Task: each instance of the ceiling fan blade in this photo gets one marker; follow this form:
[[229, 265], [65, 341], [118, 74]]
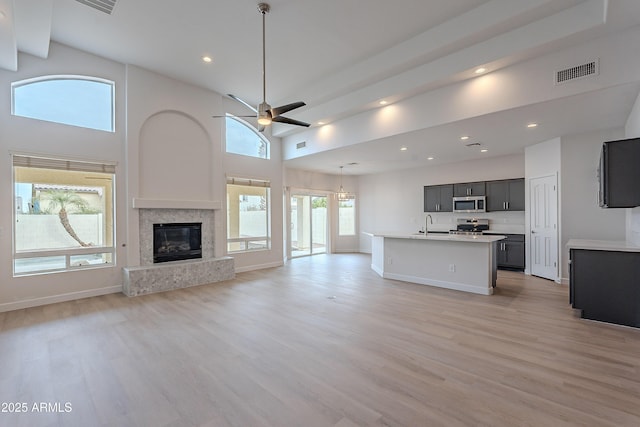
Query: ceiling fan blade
[[282, 119], [245, 103], [275, 112]]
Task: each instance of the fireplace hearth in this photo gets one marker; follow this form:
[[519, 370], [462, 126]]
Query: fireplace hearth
[[177, 241]]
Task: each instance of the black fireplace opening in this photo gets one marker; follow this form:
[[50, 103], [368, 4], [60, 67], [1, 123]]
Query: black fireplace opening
[[177, 241]]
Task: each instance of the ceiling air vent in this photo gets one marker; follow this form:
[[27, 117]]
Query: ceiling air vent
[[473, 144], [105, 6], [578, 72], [300, 145]]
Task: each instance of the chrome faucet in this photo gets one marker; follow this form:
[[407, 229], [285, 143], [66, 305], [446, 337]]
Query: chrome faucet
[[427, 220]]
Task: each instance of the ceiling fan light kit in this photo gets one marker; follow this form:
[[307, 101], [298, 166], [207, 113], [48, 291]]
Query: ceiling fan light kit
[[264, 116], [264, 113]]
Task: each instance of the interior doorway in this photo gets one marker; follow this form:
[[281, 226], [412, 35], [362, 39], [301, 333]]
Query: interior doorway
[[309, 225], [544, 227]]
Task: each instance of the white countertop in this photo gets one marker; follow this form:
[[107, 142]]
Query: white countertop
[[602, 245], [438, 236]]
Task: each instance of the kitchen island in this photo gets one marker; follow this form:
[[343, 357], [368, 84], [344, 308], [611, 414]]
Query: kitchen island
[[460, 262]]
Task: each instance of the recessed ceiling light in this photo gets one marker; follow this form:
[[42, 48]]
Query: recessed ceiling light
[[430, 158], [383, 102], [480, 70], [322, 123], [484, 150], [207, 59], [464, 138], [403, 148], [532, 125]]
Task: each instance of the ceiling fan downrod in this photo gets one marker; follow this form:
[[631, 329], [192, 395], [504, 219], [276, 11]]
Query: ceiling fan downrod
[[264, 109]]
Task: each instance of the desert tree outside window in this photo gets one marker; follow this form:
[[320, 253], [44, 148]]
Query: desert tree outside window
[[63, 214]]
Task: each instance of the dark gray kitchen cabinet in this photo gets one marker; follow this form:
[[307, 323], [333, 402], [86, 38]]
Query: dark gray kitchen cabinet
[[505, 195], [510, 252], [605, 285], [463, 189], [438, 198], [619, 174]]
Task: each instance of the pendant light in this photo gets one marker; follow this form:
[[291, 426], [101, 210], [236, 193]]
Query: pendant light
[[342, 195]]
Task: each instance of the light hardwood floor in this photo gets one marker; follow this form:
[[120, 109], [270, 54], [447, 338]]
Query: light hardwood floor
[[322, 341]]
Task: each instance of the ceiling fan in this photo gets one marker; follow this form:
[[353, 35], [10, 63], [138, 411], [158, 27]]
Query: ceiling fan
[[265, 113]]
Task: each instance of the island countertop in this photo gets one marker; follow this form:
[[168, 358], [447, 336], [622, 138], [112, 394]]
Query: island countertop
[[439, 236], [455, 261]]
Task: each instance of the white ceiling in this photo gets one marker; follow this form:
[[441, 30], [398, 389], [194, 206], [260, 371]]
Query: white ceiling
[[342, 56]]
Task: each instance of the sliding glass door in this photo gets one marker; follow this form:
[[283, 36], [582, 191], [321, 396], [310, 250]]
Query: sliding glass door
[[308, 225]]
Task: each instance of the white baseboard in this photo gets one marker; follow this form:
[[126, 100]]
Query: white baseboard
[[52, 299], [259, 266], [440, 283]]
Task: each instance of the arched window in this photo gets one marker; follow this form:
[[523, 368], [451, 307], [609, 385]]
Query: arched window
[[243, 139], [72, 100]]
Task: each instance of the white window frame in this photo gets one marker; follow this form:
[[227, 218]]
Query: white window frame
[[56, 163], [252, 129], [42, 79], [246, 241], [352, 198]]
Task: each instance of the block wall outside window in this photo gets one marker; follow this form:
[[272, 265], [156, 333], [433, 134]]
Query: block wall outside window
[[347, 217], [248, 215], [63, 214]]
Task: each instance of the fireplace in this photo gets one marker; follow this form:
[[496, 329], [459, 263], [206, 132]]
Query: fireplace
[[177, 241]]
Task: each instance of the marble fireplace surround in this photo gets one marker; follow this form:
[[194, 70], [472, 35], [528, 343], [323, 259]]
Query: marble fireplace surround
[[150, 277]]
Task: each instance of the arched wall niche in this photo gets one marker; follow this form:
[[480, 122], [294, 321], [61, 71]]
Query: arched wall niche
[[175, 158]]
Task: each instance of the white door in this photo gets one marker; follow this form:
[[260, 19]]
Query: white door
[[544, 227]]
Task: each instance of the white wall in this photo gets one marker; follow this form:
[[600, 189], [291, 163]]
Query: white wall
[[504, 89], [176, 151], [632, 130], [394, 201], [19, 134], [166, 145], [171, 141], [581, 216], [542, 160]]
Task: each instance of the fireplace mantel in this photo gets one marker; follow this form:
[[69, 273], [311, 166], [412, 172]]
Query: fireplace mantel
[[142, 203]]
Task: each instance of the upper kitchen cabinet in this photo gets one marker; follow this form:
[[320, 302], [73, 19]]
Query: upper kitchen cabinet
[[438, 198], [505, 195], [469, 189], [619, 174]]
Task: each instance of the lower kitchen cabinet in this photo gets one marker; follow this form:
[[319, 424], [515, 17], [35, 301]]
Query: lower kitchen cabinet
[[605, 285], [510, 252]]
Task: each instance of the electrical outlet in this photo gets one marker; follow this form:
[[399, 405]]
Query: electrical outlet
[[389, 260], [452, 268]]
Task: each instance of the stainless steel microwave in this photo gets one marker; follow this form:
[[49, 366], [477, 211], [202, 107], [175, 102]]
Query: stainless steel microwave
[[470, 204]]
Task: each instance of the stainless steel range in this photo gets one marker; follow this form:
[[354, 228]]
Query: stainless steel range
[[470, 226]]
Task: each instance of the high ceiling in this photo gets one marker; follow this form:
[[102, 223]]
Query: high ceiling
[[343, 56]]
